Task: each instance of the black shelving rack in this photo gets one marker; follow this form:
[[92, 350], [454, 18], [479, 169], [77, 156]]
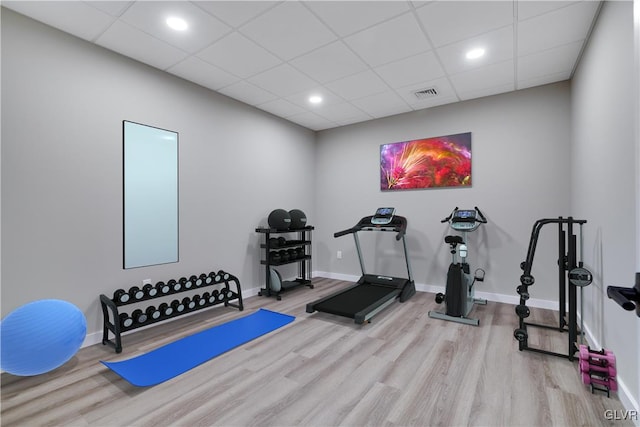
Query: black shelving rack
[[276, 241]]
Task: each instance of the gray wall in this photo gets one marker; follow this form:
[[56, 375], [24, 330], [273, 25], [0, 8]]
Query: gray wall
[[605, 162], [521, 173], [63, 102]]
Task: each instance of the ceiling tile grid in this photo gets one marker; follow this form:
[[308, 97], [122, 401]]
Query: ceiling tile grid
[[367, 59]]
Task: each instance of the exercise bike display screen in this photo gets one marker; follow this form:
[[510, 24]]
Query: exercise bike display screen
[[465, 214], [383, 216]]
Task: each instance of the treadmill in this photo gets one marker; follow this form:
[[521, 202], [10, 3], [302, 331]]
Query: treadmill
[[372, 293]]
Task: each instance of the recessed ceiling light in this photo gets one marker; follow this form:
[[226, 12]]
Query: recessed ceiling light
[[475, 53], [315, 99], [176, 23]]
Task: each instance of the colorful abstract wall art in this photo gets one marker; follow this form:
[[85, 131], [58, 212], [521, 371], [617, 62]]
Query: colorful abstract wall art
[[443, 161]]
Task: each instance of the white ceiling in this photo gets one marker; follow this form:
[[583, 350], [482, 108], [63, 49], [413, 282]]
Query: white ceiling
[[365, 58]]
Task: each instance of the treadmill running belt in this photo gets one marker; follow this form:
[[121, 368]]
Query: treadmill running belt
[[356, 299]]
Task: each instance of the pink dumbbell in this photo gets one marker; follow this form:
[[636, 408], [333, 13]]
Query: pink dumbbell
[[605, 368], [610, 383], [591, 355]]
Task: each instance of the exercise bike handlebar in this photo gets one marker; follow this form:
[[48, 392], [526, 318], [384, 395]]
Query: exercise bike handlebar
[[450, 215], [481, 218], [627, 298]]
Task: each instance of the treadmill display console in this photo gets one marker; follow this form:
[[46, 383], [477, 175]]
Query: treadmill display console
[[383, 216]]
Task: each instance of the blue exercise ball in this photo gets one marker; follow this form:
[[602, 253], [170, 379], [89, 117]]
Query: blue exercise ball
[[40, 336]]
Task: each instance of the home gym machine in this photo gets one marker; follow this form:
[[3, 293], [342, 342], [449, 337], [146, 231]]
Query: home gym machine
[[459, 293], [627, 298], [569, 267], [372, 293]]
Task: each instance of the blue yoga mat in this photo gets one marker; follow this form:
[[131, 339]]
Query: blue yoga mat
[[180, 356]]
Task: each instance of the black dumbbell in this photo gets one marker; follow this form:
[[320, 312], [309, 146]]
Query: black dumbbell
[[188, 303], [274, 258], [136, 293], [153, 313], [273, 242], [150, 290], [165, 309], [139, 316], [213, 297], [174, 285], [184, 282], [163, 288], [125, 320], [177, 306], [282, 241], [121, 296], [284, 255]]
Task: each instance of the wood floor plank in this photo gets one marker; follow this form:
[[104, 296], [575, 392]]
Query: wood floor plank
[[402, 369]]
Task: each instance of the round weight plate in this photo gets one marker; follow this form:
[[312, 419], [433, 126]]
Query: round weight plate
[[580, 277], [523, 311], [520, 334], [527, 279]]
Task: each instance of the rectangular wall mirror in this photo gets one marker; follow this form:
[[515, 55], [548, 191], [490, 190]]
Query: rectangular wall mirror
[[150, 157]]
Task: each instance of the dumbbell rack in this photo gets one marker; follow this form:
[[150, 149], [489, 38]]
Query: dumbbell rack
[[302, 246], [124, 322]]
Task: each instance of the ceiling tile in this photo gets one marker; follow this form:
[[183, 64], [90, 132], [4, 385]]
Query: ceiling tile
[[64, 16], [281, 107], [451, 21], [348, 17], [311, 121], [543, 80], [329, 63], [203, 73], [238, 55], [235, 13], [498, 47], [552, 61], [288, 30], [136, 44], [342, 111], [475, 81], [383, 104], [529, 9], [446, 94], [151, 16], [247, 93], [418, 68], [302, 98], [283, 80], [553, 29], [392, 40], [113, 8], [358, 85]]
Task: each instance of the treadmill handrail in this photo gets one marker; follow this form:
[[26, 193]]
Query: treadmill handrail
[[398, 224]]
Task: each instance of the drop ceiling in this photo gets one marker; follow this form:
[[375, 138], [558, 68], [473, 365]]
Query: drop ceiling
[[366, 59]]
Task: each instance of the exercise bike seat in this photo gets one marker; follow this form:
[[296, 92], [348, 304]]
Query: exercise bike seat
[[453, 240]]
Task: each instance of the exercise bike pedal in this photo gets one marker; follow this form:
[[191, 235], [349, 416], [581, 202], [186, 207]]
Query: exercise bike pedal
[[478, 275]]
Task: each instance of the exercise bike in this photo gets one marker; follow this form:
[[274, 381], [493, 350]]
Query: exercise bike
[[459, 293]]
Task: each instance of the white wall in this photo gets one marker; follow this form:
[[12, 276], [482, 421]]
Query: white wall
[[521, 173], [604, 146], [63, 102]]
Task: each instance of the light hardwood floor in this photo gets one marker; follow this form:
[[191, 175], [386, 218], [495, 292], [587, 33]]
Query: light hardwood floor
[[403, 369]]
